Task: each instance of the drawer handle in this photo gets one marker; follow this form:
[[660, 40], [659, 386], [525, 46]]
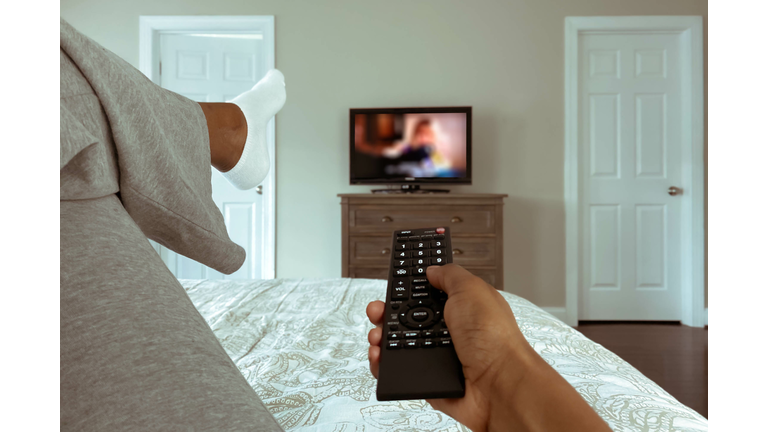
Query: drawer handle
[[385, 251], [457, 252], [386, 219], [456, 219]]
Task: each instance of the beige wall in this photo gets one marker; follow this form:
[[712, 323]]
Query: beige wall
[[505, 58]]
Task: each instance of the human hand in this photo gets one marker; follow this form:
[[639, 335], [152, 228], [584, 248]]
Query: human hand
[[485, 335]]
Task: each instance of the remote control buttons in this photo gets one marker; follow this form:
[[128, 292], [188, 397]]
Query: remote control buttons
[[420, 295], [402, 272], [393, 344], [428, 343], [420, 314], [420, 253], [420, 280], [420, 288], [428, 333], [437, 261], [411, 344], [438, 252], [402, 263], [393, 335], [399, 292], [444, 342], [420, 261], [444, 333], [439, 237], [438, 243], [402, 254], [440, 230], [411, 334], [402, 246], [422, 245]]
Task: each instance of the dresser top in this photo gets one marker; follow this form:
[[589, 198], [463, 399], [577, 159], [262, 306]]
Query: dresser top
[[422, 195]]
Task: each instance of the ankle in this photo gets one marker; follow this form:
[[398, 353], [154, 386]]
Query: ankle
[[227, 131]]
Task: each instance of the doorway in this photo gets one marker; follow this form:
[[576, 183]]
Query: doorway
[[634, 182], [214, 59]]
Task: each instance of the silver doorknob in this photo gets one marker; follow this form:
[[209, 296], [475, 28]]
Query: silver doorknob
[[259, 190], [674, 190]]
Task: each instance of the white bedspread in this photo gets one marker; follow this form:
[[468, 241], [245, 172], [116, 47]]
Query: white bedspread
[[302, 345]]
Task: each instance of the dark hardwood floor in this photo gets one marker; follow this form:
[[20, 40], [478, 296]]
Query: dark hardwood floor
[[672, 355]]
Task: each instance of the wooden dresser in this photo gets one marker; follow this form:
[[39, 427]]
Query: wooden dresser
[[475, 220]]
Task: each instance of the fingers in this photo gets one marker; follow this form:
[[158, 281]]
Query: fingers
[[374, 355], [451, 278], [374, 336], [375, 312]]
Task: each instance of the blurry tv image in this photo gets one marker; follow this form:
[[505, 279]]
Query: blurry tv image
[[410, 145]]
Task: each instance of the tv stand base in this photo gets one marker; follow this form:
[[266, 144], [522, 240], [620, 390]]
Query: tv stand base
[[414, 189]]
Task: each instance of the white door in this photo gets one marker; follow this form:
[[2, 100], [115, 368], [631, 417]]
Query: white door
[[216, 68], [630, 126]]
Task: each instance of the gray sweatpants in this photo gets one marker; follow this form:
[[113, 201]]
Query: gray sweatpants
[[135, 163]]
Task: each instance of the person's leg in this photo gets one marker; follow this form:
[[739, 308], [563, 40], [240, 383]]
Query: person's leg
[[227, 131], [135, 353], [237, 131]]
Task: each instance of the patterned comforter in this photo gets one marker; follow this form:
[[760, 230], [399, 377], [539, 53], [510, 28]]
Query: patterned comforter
[[302, 345]]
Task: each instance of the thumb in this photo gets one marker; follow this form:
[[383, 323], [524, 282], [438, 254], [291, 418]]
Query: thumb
[[450, 278]]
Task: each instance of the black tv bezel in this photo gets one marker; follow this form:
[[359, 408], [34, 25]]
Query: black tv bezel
[[466, 180]]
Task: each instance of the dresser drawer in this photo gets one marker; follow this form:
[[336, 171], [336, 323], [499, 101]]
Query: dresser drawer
[[368, 273], [474, 251], [385, 219], [370, 251], [467, 251]]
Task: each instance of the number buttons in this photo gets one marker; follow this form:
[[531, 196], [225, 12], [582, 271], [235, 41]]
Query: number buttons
[[401, 263], [437, 261], [420, 261], [438, 252], [422, 245], [402, 254], [402, 272], [402, 246], [419, 271], [420, 253], [438, 243]]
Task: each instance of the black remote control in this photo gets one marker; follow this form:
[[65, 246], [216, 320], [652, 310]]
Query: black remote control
[[418, 360]]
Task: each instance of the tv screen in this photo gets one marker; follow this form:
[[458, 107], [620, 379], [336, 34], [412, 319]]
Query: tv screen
[[410, 145]]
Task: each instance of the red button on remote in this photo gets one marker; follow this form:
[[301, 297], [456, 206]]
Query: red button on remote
[[440, 230]]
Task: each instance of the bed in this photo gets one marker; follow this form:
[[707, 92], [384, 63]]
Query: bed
[[302, 345]]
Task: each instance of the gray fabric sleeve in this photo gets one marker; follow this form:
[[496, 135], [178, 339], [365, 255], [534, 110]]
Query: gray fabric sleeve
[[163, 155]]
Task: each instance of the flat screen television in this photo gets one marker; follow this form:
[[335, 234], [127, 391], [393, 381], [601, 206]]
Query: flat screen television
[[410, 145]]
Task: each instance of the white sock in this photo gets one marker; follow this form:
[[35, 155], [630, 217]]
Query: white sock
[[258, 105]]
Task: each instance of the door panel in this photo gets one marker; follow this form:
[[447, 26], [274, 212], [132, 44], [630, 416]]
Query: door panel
[[630, 132], [208, 68]]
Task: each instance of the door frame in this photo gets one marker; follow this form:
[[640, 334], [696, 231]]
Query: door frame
[[692, 251], [150, 29]]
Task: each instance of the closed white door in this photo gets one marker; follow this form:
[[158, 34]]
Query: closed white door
[[216, 68], [630, 118]]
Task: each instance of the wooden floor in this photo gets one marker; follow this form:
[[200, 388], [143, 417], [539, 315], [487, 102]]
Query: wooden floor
[[672, 355]]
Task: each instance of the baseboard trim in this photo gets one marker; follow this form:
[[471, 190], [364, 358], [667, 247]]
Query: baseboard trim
[[558, 312]]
